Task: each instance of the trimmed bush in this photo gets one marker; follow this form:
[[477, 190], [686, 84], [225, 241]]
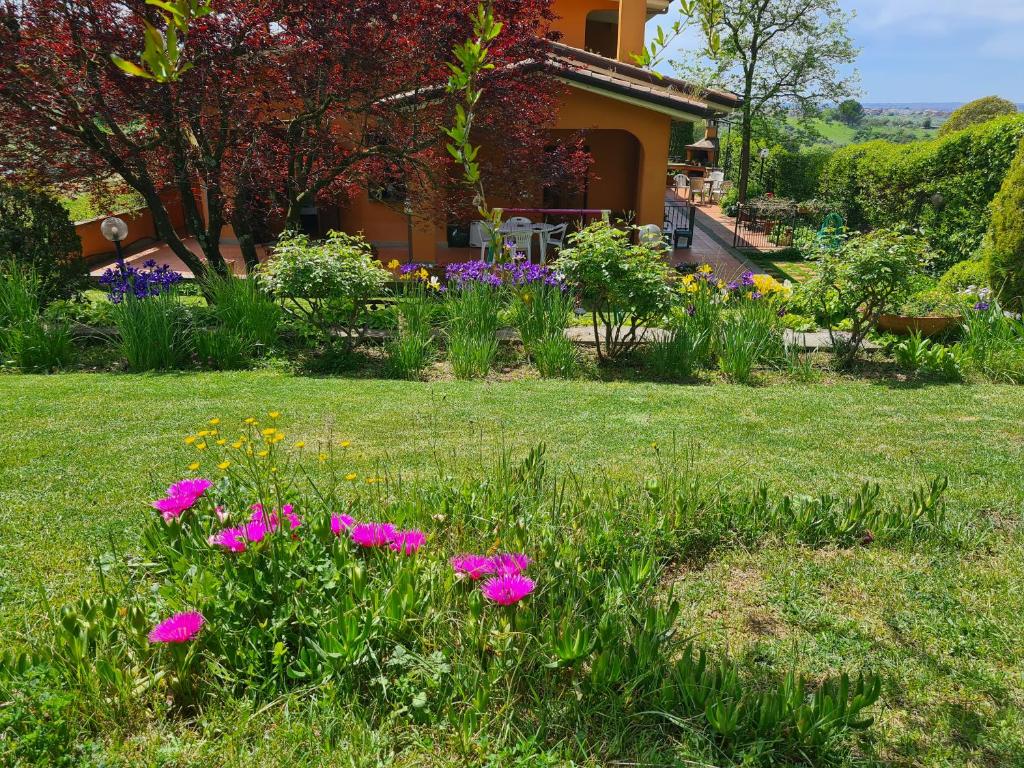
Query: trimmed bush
[[796, 175], [35, 231], [964, 274], [977, 112], [879, 184], [1005, 242]]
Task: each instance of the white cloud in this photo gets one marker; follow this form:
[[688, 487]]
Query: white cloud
[[935, 16]]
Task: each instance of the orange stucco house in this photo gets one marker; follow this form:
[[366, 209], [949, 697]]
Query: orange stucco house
[[625, 114]]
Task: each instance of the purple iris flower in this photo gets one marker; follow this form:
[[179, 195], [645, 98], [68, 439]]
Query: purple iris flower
[[982, 306]]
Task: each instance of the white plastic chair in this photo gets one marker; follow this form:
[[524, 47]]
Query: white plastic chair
[[515, 223], [552, 236], [522, 241], [682, 181], [486, 235]]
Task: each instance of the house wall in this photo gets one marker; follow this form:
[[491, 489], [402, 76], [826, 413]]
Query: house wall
[[632, 14], [140, 227]]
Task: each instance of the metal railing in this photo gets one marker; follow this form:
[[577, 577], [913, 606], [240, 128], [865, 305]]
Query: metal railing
[[771, 227]]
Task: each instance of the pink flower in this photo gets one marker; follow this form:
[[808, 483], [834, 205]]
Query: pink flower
[[172, 507], [474, 566], [506, 590], [181, 496], [232, 539], [509, 563], [408, 542], [255, 531], [341, 523], [293, 520], [222, 514], [373, 534], [180, 628], [192, 488]]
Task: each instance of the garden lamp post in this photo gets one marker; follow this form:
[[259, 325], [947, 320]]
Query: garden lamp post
[[764, 156], [115, 230]]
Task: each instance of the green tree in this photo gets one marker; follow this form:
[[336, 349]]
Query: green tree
[[1005, 239], [851, 112], [776, 54], [977, 112], [36, 232]]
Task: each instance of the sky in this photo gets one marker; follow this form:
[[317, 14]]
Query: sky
[[938, 50]]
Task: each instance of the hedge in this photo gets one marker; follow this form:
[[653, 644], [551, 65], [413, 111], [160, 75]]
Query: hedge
[[795, 175], [881, 184], [1005, 243]]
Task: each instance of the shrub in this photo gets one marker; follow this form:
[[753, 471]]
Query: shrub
[[994, 342], [1004, 247], [35, 231], [795, 175], [471, 311], [623, 285], [154, 334], [869, 275], [31, 342], [325, 283], [977, 112], [884, 185], [972, 273], [222, 348], [243, 308], [920, 355]]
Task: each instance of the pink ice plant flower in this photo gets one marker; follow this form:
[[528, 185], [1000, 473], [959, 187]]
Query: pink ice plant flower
[[181, 496], [408, 542], [509, 563], [179, 628], [340, 523], [507, 590], [373, 534], [231, 539], [474, 566]]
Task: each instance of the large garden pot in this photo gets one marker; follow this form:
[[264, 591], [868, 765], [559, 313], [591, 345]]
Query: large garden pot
[[904, 325]]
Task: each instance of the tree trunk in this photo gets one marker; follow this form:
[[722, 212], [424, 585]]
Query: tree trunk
[[747, 135]]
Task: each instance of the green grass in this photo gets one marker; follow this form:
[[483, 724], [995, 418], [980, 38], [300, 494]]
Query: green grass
[[82, 452], [784, 265]]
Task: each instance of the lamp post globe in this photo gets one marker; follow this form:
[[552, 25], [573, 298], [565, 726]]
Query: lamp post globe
[[115, 230], [764, 156]]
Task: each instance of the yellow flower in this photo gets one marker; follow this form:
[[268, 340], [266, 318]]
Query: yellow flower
[[394, 264], [300, 444], [269, 431], [222, 441], [346, 443], [200, 446], [374, 480], [323, 457], [351, 476], [214, 422], [237, 444], [277, 438], [224, 465], [274, 414], [190, 439], [203, 432], [423, 274], [251, 421], [193, 466], [705, 269], [213, 433], [688, 280], [263, 454]]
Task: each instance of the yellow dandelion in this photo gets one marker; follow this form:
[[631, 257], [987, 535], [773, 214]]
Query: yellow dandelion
[[222, 441], [193, 466], [300, 444], [214, 422], [323, 457], [251, 421], [263, 454], [346, 443], [190, 439], [274, 414], [203, 432], [351, 476], [224, 465], [268, 431], [200, 446], [237, 444]]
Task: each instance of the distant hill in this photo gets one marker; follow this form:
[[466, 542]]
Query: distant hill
[[921, 106]]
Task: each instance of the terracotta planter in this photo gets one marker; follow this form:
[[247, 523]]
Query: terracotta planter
[[926, 326]]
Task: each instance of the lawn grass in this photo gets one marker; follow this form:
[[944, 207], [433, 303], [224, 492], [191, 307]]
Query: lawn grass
[[783, 265], [83, 452]]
